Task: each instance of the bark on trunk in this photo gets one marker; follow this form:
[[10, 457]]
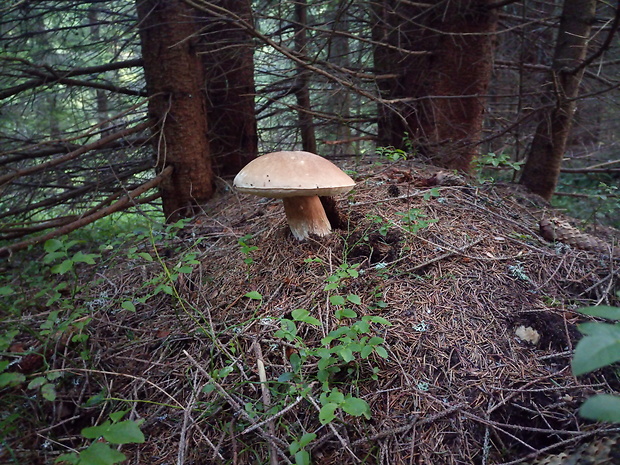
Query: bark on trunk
[[174, 81], [542, 168], [339, 102], [302, 84], [228, 59], [442, 61]]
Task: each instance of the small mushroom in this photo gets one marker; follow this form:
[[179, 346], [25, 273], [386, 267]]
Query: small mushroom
[[298, 178]]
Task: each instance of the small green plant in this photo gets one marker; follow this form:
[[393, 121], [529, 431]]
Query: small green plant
[[58, 252], [384, 225], [391, 153], [599, 347], [342, 274], [247, 249], [45, 383], [297, 448], [496, 160], [339, 349], [7, 378], [414, 220], [408, 143], [112, 431]]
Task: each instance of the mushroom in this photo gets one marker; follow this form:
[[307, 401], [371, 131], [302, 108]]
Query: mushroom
[[298, 178]]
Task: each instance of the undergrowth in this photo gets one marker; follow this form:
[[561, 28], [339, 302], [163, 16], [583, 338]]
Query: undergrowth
[[45, 349]]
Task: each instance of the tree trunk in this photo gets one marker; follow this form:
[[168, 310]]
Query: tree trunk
[[101, 96], [174, 82], [542, 168], [302, 84], [441, 60], [339, 102], [228, 59]]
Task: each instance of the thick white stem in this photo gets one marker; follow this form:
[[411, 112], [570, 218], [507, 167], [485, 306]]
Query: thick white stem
[[306, 216]]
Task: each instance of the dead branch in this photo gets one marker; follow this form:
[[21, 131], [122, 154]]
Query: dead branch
[[124, 202], [74, 154], [55, 74]]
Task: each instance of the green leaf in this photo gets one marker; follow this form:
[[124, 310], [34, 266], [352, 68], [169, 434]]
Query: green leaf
[[336, 300], [330, 286], [356, 407], [295, 361], [48, 391], [345, 313], [361, 327], [376, 319], [602, 311], [37, 382], [327, 413], [346, 354], [129, 306], [354, 299], [7, 338], [185, 269], [306, 439], [80, 257], [335, 334], [293, 447], [302, 457], [353, 273], [11, 379], [118, 415], [95, 400], [286, 377], [325, 362], [52, 245], [302, 314], [366, 351], [100, 453], [53, 256], [71, 458], [167, 289], [224, 372], [146, 256], [6, 290], [381, 352], [602, 407], [63, 267], [94, 432], [208, 388], [54, 375], [334, 396], [597, 350], [254, 295], [124, 432]]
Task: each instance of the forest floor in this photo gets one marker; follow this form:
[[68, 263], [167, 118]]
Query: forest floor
[[465, 361]]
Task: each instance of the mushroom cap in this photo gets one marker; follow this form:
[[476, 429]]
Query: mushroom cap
[[292, 174]]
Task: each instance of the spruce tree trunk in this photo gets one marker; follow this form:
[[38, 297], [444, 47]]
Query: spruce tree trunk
[[441, 64], [302, 83], [339, 102], [228, 59], [542, 168], [177, 107]]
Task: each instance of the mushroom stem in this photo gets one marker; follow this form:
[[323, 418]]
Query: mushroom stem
[[306, 216]]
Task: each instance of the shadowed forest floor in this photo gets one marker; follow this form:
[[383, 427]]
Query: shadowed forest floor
[[482, 328]]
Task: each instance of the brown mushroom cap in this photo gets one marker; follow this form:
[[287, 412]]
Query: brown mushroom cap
[[292, 174]]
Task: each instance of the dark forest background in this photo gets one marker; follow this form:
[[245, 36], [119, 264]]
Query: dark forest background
[[106, 105]]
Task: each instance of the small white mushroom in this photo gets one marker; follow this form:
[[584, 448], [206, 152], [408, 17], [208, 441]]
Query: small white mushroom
[[298, 178]]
